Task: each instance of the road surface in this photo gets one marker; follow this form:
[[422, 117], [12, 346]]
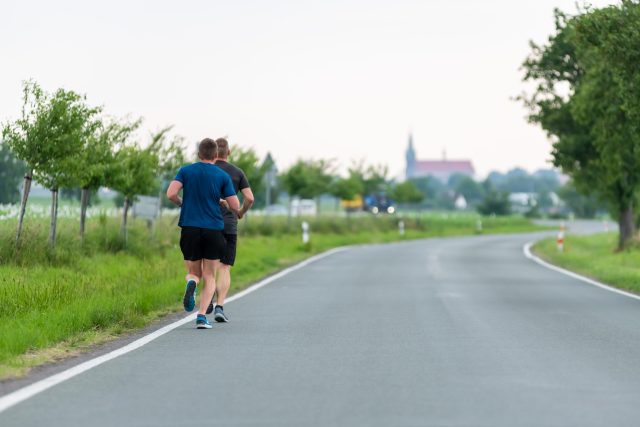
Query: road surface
[[442, 332]]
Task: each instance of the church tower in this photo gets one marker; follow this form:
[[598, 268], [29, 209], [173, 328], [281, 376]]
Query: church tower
[[411, 158]]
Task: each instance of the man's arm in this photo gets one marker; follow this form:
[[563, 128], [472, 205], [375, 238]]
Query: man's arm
[[233, 202], [247, 203], [172, 192]]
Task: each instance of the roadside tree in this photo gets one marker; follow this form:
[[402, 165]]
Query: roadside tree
[[247, 159], [345, 188], [307, 179], [374, 178], [49, 137], [170, 152], [96, 160], [407, 193], [133, 172], [587, 101]]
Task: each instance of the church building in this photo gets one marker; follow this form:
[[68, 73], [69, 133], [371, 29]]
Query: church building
[[440, 169]]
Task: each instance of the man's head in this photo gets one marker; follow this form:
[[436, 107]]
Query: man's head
[[207, 149], [223, 148]]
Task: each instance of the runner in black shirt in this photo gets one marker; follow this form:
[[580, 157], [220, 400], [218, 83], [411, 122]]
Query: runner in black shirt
[[241, 185]]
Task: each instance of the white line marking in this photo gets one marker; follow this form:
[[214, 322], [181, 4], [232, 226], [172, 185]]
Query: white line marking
[[527, 252], [31, 390]]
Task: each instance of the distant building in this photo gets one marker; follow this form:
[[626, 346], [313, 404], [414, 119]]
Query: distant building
[[440, 169]]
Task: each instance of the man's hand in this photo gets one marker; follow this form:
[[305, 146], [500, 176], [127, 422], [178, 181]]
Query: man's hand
[[224, 204], [172, 192], [248, 202]]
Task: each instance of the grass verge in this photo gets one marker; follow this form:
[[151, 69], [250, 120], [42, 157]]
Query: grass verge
[[595, 256], [57, 303]]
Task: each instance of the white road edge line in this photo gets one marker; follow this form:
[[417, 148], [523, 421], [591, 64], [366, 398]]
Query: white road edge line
[[31, 390], [527, 252]]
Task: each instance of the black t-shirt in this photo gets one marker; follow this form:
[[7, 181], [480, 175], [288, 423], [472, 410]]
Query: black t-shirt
[[240, 182]]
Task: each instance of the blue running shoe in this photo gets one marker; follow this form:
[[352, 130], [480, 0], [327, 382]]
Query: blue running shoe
[[189, 299], [202, 322]]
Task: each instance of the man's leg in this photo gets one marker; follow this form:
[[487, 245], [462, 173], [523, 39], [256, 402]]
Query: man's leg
[[190, 246], [209, 268], [223, 284], [224, 276], [194, 272]]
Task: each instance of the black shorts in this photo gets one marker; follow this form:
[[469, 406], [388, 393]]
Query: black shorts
[[229, 257], [201, 243]]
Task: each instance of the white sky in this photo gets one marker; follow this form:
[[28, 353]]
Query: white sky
[[343, 79]]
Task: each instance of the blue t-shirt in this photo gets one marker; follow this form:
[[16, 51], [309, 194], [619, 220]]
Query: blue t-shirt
[[204, 184]]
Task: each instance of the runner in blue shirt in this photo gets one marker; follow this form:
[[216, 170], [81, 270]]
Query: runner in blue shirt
[[202, 242]]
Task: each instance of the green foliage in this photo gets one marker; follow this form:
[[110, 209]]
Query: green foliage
[[11, 172], [97, 158], [520, 181], [583, 206], [169, 151], [406, 192], [495, 203], [134, 172], [51, 133], [374, 178], [247, 160], [610, 36], [587, 101], [346, 188], [308, 179], [74, 194]]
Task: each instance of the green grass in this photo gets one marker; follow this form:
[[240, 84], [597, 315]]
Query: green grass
[[595, 256], [57, 302]]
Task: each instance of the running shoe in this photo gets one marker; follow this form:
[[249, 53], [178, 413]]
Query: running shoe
[[220, 316], [189, 299], [202, 322], [211, 305]]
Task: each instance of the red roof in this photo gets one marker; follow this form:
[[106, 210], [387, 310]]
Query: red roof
[[442, 166]]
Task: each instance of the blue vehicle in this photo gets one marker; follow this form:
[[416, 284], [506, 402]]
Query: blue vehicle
[[378, 203]]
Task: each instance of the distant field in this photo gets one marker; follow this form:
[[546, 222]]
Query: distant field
[[40, 207], [594, 256], [54, 303]]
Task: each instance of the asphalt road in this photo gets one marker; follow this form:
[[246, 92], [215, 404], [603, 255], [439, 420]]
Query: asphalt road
[[443, 332]]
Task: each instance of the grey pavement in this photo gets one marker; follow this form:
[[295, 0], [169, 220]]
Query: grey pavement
[[441, 332]]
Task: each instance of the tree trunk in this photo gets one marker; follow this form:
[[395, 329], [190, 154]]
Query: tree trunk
[[627, 227], [54, 218], [123, 226], [84, 201], [23, 203]]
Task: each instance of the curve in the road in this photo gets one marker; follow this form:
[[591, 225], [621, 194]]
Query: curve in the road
[[442, 332]]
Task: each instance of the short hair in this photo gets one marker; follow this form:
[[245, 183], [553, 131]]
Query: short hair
[[223, 147], [207, 149]]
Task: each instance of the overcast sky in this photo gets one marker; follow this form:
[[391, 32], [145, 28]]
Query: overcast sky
[[345, 79]]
